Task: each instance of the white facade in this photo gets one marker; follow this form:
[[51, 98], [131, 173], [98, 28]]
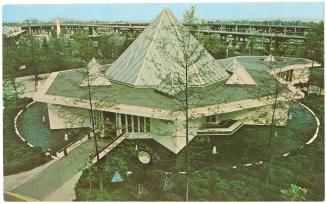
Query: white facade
[[63, 117], [169, 133]]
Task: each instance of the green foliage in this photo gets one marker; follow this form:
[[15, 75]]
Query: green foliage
[[18, 156], [214, 182], [294, 193], [215, 46], [42, 55], [9, 95], [313, 47]]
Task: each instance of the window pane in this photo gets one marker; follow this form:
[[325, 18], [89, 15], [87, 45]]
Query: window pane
[[136, 123], [141, 124], [147, 120], [123, 124], [213, 118], [129, 122]]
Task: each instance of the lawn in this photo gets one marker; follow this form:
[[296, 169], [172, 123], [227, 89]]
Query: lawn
[[207, 180], [18, 156], [38, 133]]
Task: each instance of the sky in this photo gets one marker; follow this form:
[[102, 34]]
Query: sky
[[146, 12]]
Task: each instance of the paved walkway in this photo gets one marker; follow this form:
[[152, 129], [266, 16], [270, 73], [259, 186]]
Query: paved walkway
[[13, 181], [66, 192], [57, 174]]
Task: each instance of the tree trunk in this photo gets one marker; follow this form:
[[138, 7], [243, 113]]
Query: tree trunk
[[35, 82], [92, 117], [272, 124], [186, 128], [101, 180], [13, 83]]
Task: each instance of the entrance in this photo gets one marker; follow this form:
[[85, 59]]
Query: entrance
[[109, 124]]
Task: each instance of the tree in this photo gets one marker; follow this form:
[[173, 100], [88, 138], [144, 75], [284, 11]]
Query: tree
[[11, 62], [85, 47], [251, 44], [187, 62], [56, 53], [314, 43], [31, 54], [313, 47], [215, 46]]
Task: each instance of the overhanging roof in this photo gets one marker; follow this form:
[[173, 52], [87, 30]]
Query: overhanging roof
[[63, 88]]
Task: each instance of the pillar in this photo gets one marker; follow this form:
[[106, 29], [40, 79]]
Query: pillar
[[285, 31], [58, 28], [118, 124]]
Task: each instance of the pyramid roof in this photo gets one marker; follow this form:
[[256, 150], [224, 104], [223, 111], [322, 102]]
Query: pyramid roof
[[239, 74], [143, 64], [96, 77], [117, 178]]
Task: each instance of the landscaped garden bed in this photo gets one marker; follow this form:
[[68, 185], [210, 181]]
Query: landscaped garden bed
[[34, 126], [18, 156], [249, 144]]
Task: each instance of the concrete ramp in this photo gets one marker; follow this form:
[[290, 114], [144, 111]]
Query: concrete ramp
[[54, 176], [57, 181]]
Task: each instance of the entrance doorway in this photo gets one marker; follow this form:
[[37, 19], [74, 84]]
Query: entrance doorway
[[109, 124]]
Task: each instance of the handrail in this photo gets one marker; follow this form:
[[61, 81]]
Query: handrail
[[72, 142], [208, 125], [110, 143], [222, 130]]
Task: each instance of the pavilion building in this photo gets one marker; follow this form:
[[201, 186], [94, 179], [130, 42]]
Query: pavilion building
[[138, 96]]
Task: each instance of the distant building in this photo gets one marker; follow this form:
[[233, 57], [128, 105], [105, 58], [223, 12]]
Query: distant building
[[58, 27], [135, 94]]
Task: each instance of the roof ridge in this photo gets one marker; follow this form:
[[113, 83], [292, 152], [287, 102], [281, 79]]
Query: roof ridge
[[149, 48], [201, 47], [134, 42], [134, 66], [237, 67], [190, 35]]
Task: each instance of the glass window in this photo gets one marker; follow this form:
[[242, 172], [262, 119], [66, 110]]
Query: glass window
[[129, 123], [123, 122], [212, 118], [136, 123], [141, 124], [291, 75], [147, 124]]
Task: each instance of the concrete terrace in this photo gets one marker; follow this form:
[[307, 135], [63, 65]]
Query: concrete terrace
[[66, 84]]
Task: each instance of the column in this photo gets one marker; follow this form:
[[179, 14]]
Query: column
[[126, 122], [118, 124], [132, 117], [285, 31], [101, 118]]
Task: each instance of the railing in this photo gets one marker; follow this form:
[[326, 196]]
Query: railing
[[223, 124], [72, 145], [106, 149], [222, 131]]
